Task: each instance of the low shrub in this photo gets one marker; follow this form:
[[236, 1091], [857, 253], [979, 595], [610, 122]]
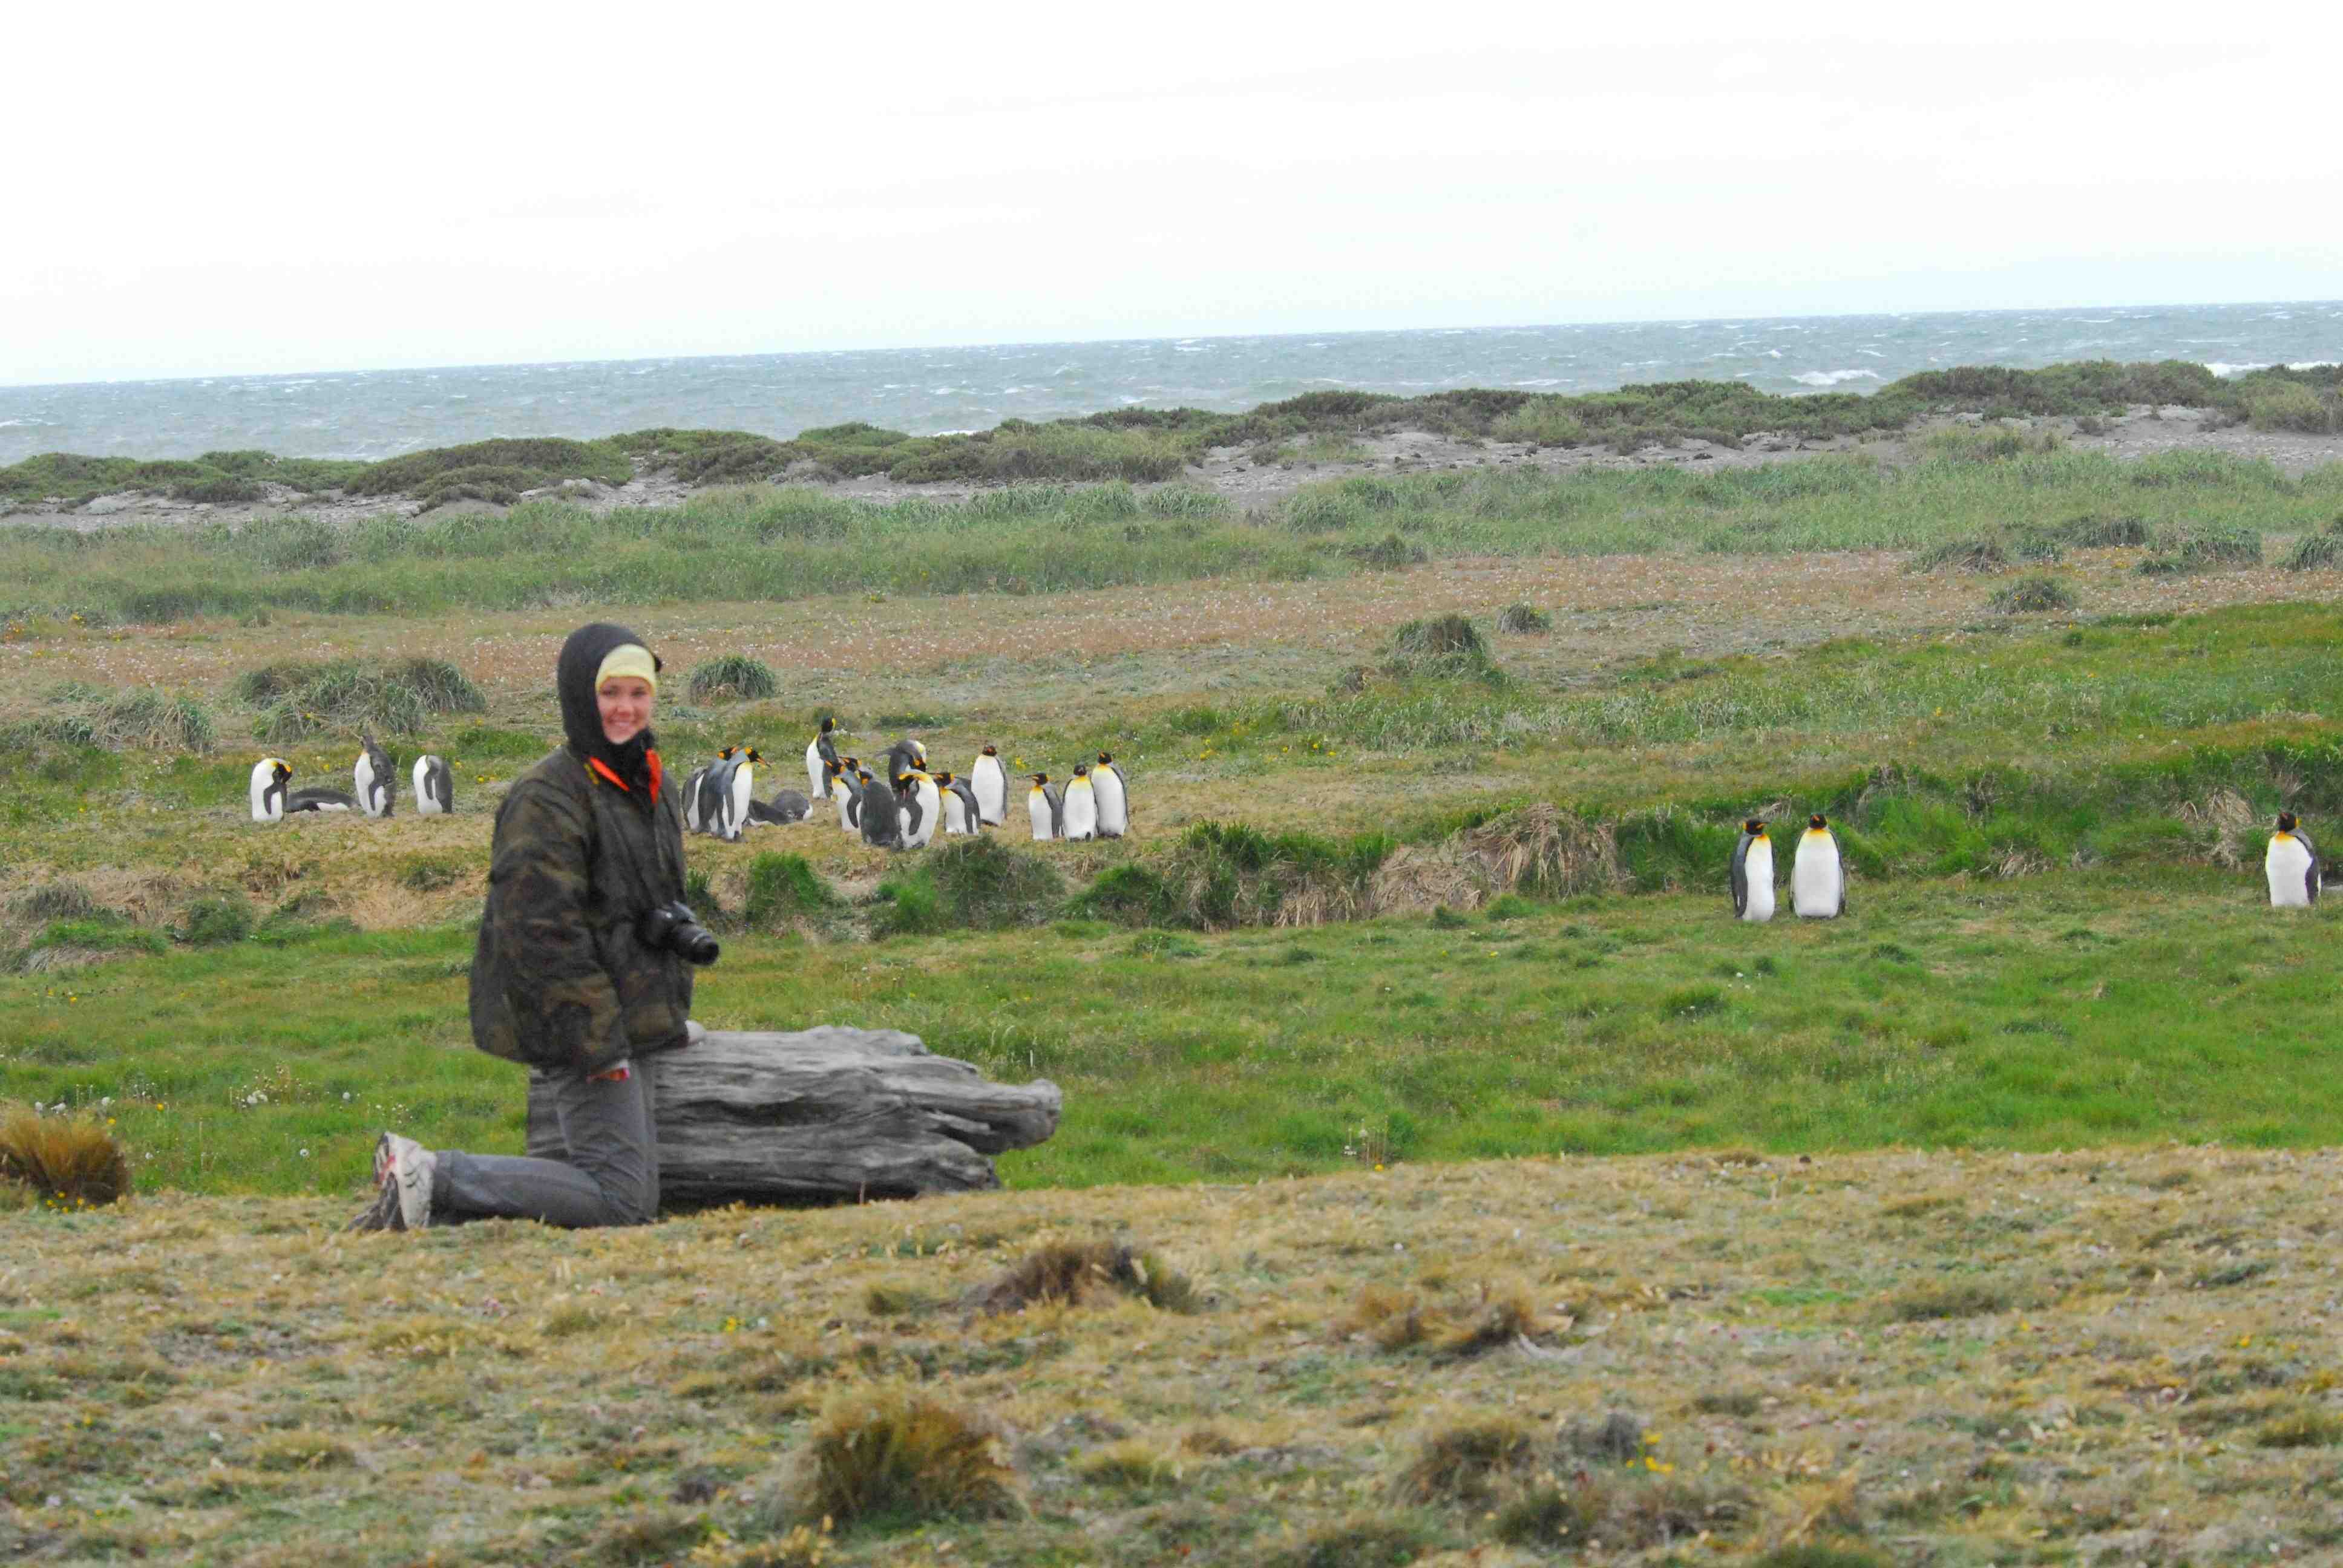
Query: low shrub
[[2287, 407], [66, 1159], [2032, 595], [733, 676], [216, 921], [784, 888], [1524, 619], [899, 1452]]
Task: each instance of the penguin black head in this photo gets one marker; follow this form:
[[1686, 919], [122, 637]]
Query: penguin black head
[[2286, 821], [1817, 822], [1039, 778], [905, 783], [282, 772], [992, 751], [864, 775], [753, 755], [834, 766], [726, 755], [1081, 769], [828, 725], [1756, 825], [943, 779], [1106, 759], [853, 765]]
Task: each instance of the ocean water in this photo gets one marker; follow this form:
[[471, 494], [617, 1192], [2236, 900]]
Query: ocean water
[[381, 413]]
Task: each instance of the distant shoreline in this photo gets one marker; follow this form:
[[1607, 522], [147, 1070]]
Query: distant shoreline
[[2291, 417]]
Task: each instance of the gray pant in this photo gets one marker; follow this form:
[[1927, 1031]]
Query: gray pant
[[605, 1173]]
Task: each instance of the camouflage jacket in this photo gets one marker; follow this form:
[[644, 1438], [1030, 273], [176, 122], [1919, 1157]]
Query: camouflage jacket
[[559, 978]]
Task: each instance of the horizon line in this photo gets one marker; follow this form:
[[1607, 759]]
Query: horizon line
[[1150, 337]]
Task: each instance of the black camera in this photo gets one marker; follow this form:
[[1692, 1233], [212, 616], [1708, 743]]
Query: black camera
[[673, 928]]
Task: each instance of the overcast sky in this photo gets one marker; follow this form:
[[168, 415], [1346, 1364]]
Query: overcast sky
[[195, 190]]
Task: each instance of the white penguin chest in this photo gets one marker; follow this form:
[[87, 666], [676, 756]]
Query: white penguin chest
[[2287, 864], [1758, 867], [1037, 806]]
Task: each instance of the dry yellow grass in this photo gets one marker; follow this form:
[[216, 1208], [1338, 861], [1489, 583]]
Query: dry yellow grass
[[2122, 1357]]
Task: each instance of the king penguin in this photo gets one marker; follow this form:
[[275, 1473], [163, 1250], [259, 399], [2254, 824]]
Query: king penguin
[[1081, 806], [2292, 865], [376, 779], [821, 753], [841, 793], [880, 815], [695, 812], [1753, 873], [742, 791], [1043, 807], [1817, 880], [960, 815], [435, 787], [1113, 797], [269, 777], [986, 776], [922, 810], [788, 806]]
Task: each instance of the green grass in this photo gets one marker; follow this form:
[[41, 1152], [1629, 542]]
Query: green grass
[[784, 544], [2075, 1008]]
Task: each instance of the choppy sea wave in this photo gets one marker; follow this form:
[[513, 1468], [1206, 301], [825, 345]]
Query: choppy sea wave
[[381, 413]]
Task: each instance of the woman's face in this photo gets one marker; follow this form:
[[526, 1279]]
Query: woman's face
[[626, 704]]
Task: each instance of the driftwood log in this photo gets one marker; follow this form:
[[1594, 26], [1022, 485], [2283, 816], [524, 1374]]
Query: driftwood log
[[824, 1115]]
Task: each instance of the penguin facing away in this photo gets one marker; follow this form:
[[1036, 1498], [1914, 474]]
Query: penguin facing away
[[716, 796], [376, 779], [1079, 818], [2290, 866], [1817, 880], [435, 787], [906, 756], [269, 777], [991, 782], [695, 802], [1113, 797], [1043, 807], [971, 815], [879, 815], [1753, 873]]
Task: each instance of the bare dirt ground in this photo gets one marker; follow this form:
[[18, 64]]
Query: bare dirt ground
[[1231, 472]]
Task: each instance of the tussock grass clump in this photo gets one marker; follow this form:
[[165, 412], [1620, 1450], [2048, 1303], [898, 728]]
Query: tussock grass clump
[[733, 677], [1462, 1463], [67, 1158], [971, 884], [58, 900], [1972, 555], [1993, 443], [217, 920], [1076, 1271], [1946, 1299], [897, 1452], [1439, 636], [1367, 1541], [141, 720], [1487, 1317], [2202, 549], [1624, 1510], [2315, 552], [2032, 595], [2099, 530], [429, 873], [302, 1449], [1525, 620], [300, 699], [1544, 850], [784, 888]]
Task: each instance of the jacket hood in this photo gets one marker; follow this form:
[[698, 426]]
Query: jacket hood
[[581, 719]]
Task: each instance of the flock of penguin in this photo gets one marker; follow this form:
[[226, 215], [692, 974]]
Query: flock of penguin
[[905, 805], [1819, 879], [376, 781]]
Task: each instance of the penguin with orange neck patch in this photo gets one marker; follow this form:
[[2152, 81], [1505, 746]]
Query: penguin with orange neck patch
[[1753, 873]]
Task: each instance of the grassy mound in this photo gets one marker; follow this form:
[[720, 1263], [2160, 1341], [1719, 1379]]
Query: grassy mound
[[2033, 594], [732, 677], [299, 698], [784, 889], [969, 884], [498, 470], [69, 1160]]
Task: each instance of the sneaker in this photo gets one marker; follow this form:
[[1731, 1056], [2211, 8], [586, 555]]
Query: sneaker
[[381, 1214], [408, 1169]]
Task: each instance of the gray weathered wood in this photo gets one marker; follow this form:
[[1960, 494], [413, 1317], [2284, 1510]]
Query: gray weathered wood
[[821, 1115]]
